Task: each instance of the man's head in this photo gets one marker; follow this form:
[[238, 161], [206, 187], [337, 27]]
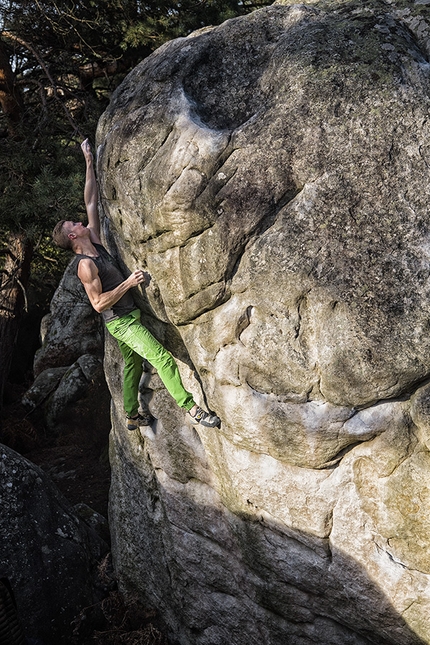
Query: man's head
[[66, 232]]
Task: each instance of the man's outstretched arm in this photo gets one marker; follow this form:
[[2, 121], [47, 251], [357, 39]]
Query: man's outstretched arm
[[91, 193], [89, 276]]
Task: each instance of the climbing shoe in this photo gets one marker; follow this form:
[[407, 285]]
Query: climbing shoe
[[145, 419], [205, 419]]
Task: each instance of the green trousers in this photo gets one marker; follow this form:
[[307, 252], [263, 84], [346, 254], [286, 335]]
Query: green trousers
[[136, 343]]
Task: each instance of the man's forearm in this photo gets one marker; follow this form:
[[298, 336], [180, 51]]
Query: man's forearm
[[91, 189], [108, 299]]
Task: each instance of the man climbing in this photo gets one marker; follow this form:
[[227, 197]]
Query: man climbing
[[109, 294]]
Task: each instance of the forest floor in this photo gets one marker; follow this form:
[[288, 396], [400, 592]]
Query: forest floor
[[79, 467]]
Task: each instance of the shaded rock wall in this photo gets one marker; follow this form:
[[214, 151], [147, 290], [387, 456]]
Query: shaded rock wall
[[69, 389], [47, 553], [272, 175]]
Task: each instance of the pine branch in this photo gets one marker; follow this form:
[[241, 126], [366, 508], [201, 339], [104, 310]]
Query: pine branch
[[38, 57]]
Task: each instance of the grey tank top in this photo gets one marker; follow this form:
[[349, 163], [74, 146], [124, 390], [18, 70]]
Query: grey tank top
[[110, 277]]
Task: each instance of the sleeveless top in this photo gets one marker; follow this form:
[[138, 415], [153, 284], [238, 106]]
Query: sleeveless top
[[110, 277]]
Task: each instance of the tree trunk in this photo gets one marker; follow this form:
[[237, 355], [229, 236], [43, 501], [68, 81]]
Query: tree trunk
[[10, 98], [14, 280], [16, 250]]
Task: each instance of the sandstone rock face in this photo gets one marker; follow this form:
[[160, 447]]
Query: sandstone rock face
[[48, 555], [272, 176]]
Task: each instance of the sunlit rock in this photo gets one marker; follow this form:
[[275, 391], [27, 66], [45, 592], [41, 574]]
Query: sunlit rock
[[272, 176]]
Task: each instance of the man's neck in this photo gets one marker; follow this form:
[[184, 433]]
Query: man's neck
[[85, 247]]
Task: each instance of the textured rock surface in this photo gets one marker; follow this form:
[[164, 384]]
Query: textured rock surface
[[70, 389], [49, 556], [71, 329], [272, 176]]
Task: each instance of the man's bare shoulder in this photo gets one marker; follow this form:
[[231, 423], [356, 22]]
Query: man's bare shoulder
[[87, 269]]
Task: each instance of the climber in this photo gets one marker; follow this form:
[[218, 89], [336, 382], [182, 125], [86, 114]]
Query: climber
[[109, 294]]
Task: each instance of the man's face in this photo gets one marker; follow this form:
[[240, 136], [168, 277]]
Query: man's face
[[77, 229]]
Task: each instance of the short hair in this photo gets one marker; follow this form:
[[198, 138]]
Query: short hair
[[60, 236]]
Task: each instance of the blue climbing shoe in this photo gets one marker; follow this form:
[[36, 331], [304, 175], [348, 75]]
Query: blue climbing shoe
[[204, 418]]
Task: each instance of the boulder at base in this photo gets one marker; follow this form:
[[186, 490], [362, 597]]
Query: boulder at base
[[47, 554]]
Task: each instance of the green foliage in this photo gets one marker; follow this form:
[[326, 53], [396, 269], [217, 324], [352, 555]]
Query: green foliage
[[166, 19], [39, 186]]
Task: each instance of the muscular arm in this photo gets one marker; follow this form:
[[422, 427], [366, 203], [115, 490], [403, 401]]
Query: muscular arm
[[91, 194], [89, 276]]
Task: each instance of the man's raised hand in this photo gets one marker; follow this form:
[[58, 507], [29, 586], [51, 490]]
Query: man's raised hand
[[86, 149], [136, 278]]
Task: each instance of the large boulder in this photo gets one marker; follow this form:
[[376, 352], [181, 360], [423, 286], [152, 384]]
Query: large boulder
[[272, 175], [48, 555]]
